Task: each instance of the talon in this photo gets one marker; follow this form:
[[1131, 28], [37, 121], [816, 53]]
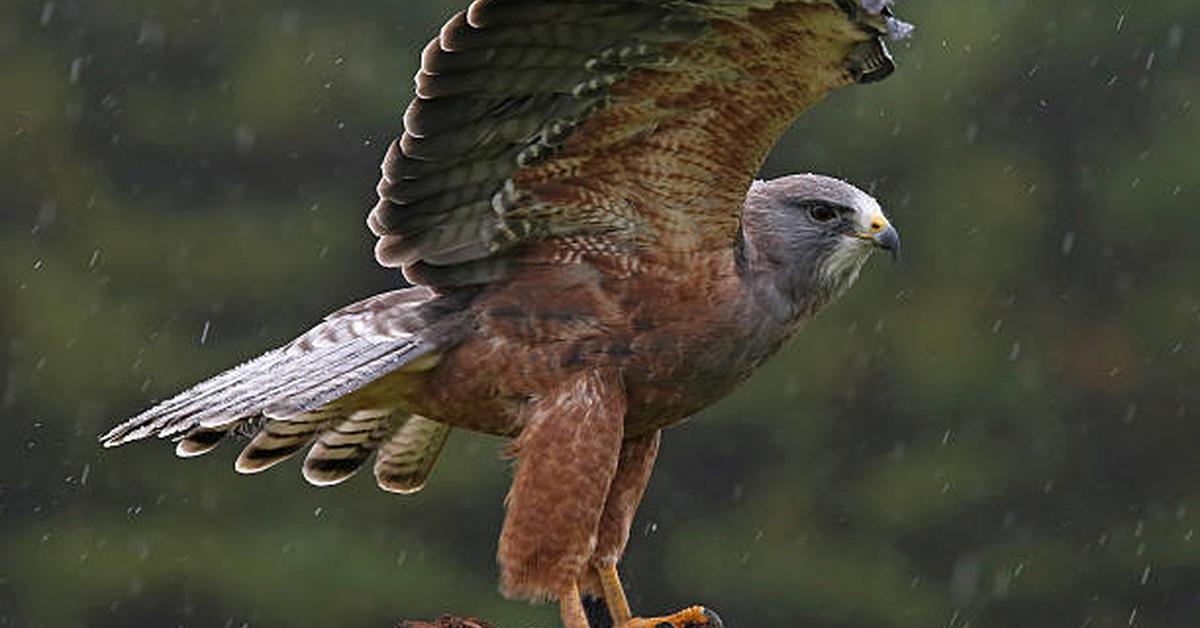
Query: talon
[[692, 617]]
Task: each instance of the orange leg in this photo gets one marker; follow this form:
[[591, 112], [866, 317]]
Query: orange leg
[[614, 595], [570, 608], [618, 609]]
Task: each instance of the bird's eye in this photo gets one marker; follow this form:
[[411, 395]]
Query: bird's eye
[[821, 212]]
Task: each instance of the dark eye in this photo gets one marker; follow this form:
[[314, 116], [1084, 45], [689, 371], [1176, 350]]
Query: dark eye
[[821, 212]]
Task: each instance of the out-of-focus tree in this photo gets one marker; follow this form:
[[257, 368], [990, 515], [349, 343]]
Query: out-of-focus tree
[[1001, 430]]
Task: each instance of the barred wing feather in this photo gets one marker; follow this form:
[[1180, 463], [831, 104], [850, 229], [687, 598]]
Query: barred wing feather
[[604, 128]]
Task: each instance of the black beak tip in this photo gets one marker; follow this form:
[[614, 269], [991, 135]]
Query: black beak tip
[[889, 240]]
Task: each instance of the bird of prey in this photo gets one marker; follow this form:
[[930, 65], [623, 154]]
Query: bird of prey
[[573, 201]]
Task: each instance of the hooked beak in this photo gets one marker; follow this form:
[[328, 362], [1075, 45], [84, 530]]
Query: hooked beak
[[888, 240], [883, 235]]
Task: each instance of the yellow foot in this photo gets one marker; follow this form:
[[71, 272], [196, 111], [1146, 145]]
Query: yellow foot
[[692, 617]]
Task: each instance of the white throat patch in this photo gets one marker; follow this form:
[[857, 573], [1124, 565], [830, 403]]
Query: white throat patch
[[843, 265]]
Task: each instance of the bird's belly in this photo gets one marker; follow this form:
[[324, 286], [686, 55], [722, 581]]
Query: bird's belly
[[687, 375], [482, 386], [680, 348]]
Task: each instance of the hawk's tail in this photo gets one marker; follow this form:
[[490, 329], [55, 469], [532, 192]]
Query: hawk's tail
[[302, 394]]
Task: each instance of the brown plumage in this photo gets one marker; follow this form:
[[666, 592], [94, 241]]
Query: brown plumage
[[572, 195]]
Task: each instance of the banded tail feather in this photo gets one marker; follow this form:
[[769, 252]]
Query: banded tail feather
[[300, 394], [406, 459], [199, 441], [406, 446], [279, 439], [342, 449]]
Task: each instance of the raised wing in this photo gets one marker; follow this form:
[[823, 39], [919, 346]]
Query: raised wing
[[625, 132]]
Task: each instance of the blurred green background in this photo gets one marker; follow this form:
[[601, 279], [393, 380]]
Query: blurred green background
[[1001, 430]]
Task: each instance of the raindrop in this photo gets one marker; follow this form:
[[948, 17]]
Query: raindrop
[[204, 332], [1174, 36], [1001, 585], [1068, 243], [76, 70], [964, 579], [47, 13], [151, 33], [46, 215], [1014, 352], [971, 133], [289, 22], [244, 138]]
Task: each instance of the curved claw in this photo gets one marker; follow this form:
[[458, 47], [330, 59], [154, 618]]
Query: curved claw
[[691, 617]]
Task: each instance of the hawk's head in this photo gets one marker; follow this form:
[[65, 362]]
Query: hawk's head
[[810, 235]]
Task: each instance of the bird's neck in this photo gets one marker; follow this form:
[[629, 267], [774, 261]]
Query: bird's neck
[[784, 282]]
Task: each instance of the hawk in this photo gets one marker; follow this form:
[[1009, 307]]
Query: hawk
[[573, 201]]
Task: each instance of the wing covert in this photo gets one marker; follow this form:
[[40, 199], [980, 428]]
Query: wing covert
[[622, 129]]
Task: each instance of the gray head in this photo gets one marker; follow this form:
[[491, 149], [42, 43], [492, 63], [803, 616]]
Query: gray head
[[808, 236]]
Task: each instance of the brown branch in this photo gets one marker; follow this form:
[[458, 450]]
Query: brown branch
[[597, 614], [449, 621], [446, 621]]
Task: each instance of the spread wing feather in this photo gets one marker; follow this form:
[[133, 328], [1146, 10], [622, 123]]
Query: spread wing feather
[[600, 128]]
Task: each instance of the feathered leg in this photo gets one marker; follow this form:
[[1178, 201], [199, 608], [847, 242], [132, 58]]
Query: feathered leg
[[567, 454], [624, 495]]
